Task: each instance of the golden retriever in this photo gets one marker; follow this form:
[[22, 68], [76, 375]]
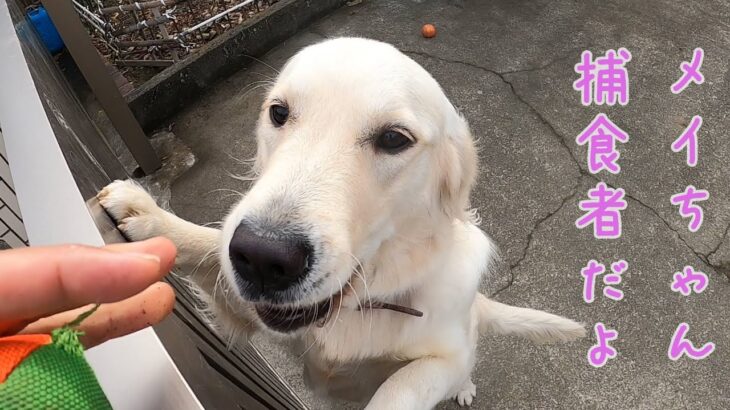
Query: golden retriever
[[357, 234]]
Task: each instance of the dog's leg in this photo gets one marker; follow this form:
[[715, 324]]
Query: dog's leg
[[536, 325], [422, 383], [466, 393], [139, 218]]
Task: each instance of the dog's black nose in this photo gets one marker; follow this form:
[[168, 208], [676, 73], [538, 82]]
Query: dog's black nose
[[268, 264]]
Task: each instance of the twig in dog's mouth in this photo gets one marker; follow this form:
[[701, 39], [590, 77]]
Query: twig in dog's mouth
[[337, 299], [395, 308]]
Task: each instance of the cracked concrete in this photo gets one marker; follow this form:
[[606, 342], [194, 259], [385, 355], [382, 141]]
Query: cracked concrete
[[508, 66]]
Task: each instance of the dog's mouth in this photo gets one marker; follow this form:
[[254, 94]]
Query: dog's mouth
[[287, 319]]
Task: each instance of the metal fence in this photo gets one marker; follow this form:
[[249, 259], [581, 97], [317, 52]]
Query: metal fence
[[157, 33]]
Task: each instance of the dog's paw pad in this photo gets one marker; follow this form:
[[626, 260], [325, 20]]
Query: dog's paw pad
[[132, 208], [466, 394]]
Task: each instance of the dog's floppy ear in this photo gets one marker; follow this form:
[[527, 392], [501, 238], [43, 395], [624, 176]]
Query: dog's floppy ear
[[457, 165]]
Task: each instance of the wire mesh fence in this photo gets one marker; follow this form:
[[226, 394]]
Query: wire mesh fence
[[141, 38]]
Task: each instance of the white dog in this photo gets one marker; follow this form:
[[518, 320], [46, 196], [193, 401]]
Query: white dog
[[356, 234]]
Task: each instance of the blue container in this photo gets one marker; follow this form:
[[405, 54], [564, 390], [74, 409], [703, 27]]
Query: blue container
[[44, 26]]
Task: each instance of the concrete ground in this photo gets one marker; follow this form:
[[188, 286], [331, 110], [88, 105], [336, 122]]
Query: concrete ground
[[508, 65]]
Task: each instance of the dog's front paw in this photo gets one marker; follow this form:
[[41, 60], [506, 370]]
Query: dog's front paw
[[466, 394], [133, 209]]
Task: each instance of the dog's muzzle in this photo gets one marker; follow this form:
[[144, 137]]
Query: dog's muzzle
[[266, 265]]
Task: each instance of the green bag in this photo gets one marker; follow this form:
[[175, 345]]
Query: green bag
[[39, 372]]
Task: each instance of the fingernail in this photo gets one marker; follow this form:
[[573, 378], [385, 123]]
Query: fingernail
[[146, 256]]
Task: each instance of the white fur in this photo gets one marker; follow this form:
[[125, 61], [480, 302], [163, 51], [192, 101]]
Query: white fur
[[536, 325], [401, 222]]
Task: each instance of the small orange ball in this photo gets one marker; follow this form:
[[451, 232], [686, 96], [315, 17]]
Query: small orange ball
[[428, 30]]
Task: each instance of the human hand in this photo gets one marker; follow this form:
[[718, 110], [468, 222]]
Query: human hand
[[44, 288]]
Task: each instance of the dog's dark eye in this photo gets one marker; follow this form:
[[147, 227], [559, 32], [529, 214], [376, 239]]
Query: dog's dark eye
[[279, 114], [392, 142]]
